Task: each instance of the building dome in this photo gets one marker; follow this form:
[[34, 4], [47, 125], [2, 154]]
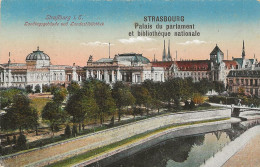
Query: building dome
[[37, 55]]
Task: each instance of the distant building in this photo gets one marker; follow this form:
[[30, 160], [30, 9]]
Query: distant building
[[128, 67], [215, 69], [38, 71], [246, 77], [246, 80]]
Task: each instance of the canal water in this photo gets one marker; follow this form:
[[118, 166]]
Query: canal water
[[188, 151]]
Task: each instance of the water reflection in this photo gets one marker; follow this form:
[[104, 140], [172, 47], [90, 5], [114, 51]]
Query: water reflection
[[178, 152]]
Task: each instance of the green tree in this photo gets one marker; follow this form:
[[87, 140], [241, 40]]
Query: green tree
[[219, 86], [37, 88], [81, 105], [122, 96], [7, 96], [142, 96], [53, 114], [73, 87], [59, 95], [28, 89], [204, 86], [20, 114], [105, 102]]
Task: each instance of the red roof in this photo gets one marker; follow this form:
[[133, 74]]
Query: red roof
[[230, 63], [194, 65], [165, 64]]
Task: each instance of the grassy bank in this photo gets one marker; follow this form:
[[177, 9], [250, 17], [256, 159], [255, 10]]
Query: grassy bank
[[96, 152]]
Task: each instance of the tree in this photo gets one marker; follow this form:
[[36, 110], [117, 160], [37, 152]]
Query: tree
[[54, 114], [20, 114], [7, 96], [219, 86], [28, 89], [81, 105], [105, 102], [37, 88], [142, 96], [74, 131], [122, 96], [204, 86], [59, 95], [73, 87]]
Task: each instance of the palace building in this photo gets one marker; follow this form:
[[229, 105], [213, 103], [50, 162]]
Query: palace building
[[246, 77], [38, 71], [133, 68], [214, 69], [127, 67]]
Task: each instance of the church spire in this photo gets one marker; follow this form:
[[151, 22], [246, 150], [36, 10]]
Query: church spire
[[243, 51], [164, 58], [169, 57]]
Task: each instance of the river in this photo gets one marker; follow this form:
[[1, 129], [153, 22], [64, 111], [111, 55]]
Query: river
[[171, 151]]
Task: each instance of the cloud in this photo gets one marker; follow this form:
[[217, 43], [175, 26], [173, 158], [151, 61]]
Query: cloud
[[192, 42], [136, 39], [96, 43]]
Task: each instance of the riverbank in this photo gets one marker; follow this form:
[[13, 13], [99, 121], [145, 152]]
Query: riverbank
[[143, 141], [72, 147], [247, 156], [233, 148]]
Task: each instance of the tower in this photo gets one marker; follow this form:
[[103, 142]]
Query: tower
[[169, 57], [164, 58], [243, 51]]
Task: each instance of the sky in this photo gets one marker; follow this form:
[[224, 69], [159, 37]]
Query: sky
[[225, 23]]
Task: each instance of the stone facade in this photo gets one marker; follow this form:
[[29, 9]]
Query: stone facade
[[129, 67], [38, 71], [214, 69]]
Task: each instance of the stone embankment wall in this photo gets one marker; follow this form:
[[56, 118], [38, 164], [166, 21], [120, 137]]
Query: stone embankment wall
[[65, 149]]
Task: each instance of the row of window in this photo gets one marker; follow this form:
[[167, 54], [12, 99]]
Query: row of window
[[246, 82]]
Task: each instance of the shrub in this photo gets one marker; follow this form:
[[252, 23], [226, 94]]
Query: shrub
[[187, 105], [37, 89], [21, 142], [14, 140], [205, 105], [197, 98], [177, 105], [8, 140], [192, 105], [67, 131]]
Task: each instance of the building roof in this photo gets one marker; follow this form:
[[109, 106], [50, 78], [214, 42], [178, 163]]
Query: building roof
[[230, 63], [216, 50], [239, 61], [164, 64], [132, 57], [194, 65], [37, 55], [105, 60], [244, 73]]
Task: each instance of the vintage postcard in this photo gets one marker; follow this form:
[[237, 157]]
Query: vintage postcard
[[129, 83]]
